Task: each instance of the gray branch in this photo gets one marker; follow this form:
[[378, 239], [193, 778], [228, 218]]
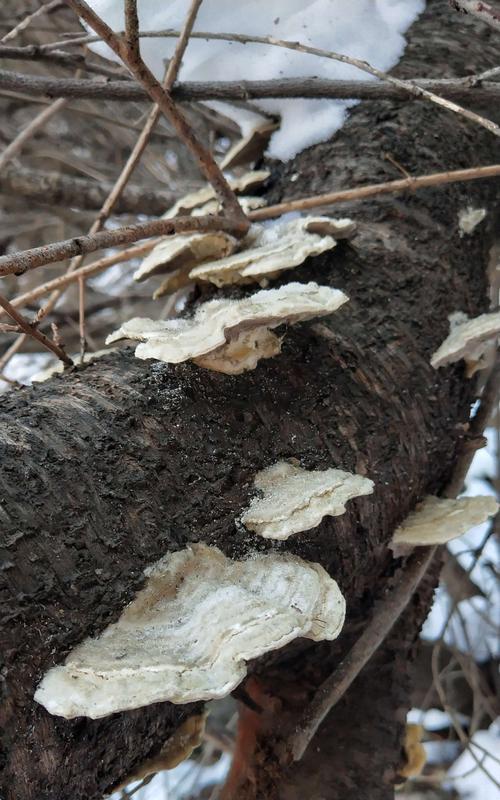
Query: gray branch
[[459, 90]]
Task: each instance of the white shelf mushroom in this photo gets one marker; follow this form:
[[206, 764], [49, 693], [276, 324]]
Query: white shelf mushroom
[[437, 520], [230, 336], [268, 250], [188, 634], [296, 499], [470, 339]]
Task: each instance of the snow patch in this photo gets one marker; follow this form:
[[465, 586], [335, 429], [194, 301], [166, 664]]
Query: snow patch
[[366, 29]]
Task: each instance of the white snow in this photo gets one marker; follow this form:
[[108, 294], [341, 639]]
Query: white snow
[[367, 29], [470, 779]]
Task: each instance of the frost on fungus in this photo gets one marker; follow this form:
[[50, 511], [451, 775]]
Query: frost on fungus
[[177, 640], [230, 336], [296, 499], [262, 255], [268, 250]]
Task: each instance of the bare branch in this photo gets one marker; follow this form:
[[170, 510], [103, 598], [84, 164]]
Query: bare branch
[[62, 281], [28, 19], [157, 93], [30, 130], [364, 66], [31, 330], [191, 91], [19, 263], [55, 188], [373, 190], [385, 614], [480, 10]]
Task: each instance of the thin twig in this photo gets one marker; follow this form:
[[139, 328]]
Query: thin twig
[[12, 350], [18, 263], [373, 190], [10, 381], [28, 19], [480, 10], [131, 58], [385, 614], [364, 66], [30, 130], [56, 188], [138, 149], [34, 52], [30, 330], [62, 281], [454, 718]]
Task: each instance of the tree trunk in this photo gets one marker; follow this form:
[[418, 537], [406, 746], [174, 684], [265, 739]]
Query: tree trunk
[[115, 464]]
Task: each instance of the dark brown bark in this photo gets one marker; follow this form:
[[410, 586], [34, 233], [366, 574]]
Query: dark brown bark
[[111, 466]]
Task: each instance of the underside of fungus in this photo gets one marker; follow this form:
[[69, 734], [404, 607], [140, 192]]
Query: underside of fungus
[[250, 147], [178, 747], [223, 327], [470, 339], [268, 250], [438, 520], [188, 634], [296, 499]]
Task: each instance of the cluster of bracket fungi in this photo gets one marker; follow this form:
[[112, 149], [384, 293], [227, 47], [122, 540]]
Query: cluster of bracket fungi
[[175, 641]]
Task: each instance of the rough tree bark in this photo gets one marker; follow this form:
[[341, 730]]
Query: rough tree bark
[[109, 467]]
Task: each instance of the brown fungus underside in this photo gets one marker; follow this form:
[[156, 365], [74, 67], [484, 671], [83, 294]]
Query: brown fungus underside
[[127, 460]]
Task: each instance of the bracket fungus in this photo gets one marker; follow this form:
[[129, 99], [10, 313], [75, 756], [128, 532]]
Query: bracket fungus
[[469, 218], [222, 328], [268, 250], [296, 499], [470, 339], [184, 251], [188, 634], [437, 520], [245, 183], [251, 147]]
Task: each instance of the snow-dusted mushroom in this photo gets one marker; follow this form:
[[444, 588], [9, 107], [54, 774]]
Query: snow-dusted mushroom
[[268, 250], [184, 251], [296, 499], [470, 339], [188, 634], [250, 147], [219, 322], [438, 520], [245, 183], [469, 218]]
